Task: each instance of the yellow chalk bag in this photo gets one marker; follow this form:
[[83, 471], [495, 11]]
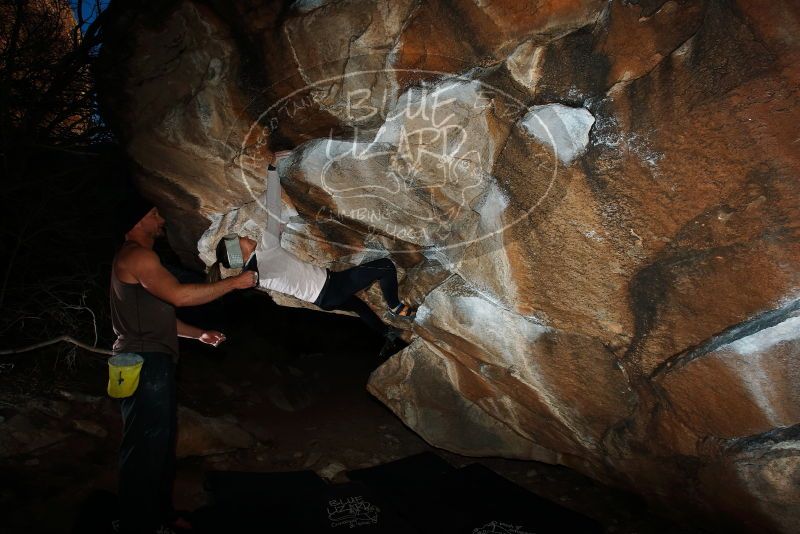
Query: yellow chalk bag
[[123, 374]]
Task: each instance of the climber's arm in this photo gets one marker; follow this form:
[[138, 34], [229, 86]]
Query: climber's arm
[[273, 229], [275, 226]]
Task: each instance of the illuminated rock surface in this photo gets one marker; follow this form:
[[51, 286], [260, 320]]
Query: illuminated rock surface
[[626, 305]]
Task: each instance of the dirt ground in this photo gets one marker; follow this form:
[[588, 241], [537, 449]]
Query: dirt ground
[[293, 379]]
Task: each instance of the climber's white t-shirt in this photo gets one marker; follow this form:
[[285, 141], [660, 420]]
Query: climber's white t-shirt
[[278, 269], [284, 272]]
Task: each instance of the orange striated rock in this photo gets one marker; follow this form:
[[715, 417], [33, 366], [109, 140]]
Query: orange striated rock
[[637, 40], [755, 376], [595, 204]]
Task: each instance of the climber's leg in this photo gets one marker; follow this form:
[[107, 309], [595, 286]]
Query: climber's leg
[[344, 284]]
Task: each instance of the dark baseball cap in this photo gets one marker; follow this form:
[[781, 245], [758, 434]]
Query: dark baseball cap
[[133, 209]]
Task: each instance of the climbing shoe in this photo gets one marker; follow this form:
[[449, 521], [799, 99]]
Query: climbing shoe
[[403, 311]]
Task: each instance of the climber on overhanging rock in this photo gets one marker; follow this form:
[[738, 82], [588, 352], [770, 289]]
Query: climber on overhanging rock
[[281, 271]]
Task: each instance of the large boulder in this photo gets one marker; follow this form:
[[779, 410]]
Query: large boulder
[[595, 205]]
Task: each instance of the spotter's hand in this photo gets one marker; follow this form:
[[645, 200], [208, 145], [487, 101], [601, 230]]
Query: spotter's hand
[[212, 337], [245, 280]]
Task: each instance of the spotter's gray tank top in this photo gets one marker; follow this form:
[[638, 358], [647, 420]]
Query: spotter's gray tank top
[[142, 321]]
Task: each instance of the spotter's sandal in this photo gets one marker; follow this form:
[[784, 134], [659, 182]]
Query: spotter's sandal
[[403, 311]]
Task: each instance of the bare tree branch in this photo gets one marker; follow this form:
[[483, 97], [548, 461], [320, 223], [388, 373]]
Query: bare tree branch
[[68, 339], [50, 127]]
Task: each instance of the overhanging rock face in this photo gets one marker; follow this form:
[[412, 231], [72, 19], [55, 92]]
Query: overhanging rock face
[[595, 205]]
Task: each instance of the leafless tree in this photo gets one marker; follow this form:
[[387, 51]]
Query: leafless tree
[[50, 128]]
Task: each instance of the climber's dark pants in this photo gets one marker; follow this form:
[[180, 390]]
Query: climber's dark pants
[[147, 453], [340, 289]]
